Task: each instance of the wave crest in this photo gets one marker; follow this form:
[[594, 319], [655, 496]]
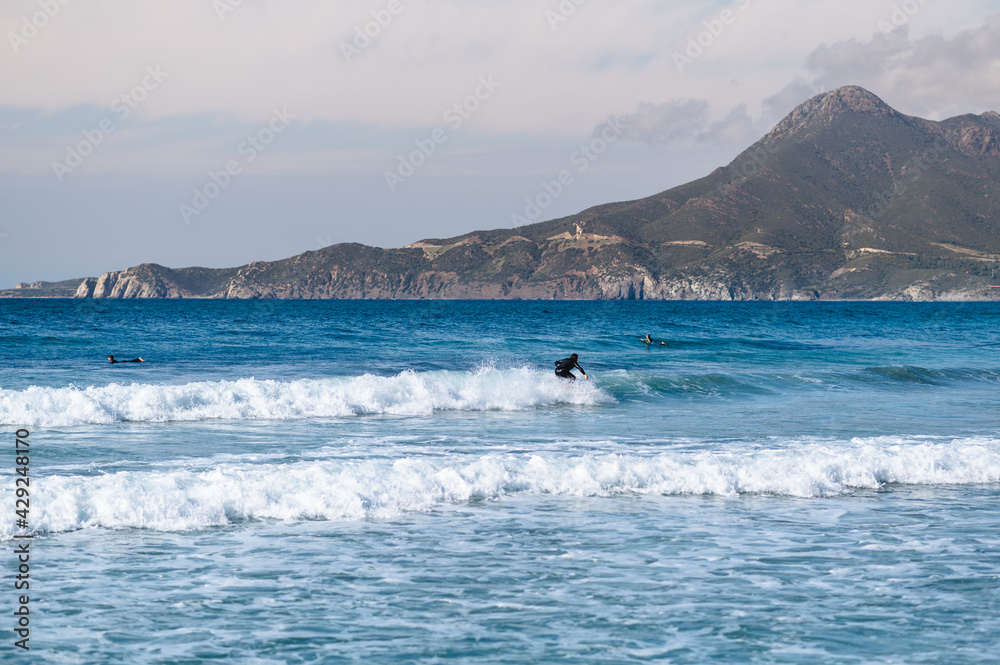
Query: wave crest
[[181, 500], [408, 394]]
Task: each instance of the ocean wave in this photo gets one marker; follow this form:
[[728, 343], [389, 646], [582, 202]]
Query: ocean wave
[[910, 374], [192, 499], [752, 382], [407, 394], [422, 393], [623, 382]]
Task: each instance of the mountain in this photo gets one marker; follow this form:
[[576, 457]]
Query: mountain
[[846, 198]]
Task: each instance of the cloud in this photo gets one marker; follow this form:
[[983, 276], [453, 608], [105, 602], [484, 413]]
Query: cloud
[[777, 106], [932, 76], [227, 73], [737, 128], [671, 121], [688, 121], [331, 60]]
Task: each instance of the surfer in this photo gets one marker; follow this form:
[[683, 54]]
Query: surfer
[[111, 359], [564, 366], [649, 340]]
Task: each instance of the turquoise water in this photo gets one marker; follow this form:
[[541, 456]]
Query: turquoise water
[[383, 482]]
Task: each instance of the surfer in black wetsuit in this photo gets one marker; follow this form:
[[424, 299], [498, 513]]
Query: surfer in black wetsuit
[[564, 366], [649, 340], [111, 359]]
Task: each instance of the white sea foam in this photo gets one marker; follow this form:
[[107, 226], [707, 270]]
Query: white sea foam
[[186, 499], [408, 393]]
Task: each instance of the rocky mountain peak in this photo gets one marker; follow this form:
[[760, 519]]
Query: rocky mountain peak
[[848, 99], [829, 105]]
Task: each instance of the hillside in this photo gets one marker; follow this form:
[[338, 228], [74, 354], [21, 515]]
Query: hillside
[[845, 198]]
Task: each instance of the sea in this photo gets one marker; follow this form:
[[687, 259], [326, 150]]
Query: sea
[[409, 482]]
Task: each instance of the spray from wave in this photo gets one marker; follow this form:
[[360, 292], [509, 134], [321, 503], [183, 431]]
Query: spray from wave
[[406, 394], [188, 499]]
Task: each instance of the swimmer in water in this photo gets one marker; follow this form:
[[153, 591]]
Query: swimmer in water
[[111, 359]]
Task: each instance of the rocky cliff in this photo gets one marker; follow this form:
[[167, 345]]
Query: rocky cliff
[[846, 198]]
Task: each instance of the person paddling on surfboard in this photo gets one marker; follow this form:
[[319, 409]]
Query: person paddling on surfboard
[[564, 366], [649, 340], [111, 359]]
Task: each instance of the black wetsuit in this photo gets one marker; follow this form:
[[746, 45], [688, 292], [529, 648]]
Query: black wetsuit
[[116, 362], [564, 366]]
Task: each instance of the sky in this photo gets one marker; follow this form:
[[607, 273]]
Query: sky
[[219, 132]]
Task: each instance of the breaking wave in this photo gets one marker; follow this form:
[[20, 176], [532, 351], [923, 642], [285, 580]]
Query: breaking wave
[[407, 394], [192, 499]]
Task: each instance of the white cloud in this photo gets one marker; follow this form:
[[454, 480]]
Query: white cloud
[[933, 76], [607, 58], [672, 121], [688, 121], [289, 54]]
